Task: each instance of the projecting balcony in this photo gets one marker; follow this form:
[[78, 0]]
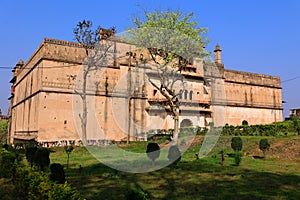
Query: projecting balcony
[[185, 105], [182, 101]]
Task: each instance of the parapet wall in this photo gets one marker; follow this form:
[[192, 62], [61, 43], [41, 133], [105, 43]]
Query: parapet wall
[[71, 52], [252, 79]]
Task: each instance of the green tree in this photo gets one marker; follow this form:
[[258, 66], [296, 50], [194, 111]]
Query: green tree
[[237, 146], [96, 57], [41, 158], [7, 163], [153, 151], [238, 157], [236, 143], [174, 155], [172, 40], [3, 131], [264, 145], [296, 124], [30, 152], [245, 123], [30, 149], [57, 173]]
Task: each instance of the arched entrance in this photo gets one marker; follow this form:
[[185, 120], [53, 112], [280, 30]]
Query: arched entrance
[[186, 123]]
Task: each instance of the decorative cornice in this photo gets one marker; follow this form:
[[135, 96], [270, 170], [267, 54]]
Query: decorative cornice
[[62, 42]]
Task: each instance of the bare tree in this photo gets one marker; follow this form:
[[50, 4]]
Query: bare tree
[[97, 56]]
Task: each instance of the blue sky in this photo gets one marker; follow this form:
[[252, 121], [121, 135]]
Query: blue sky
[[261, 36]]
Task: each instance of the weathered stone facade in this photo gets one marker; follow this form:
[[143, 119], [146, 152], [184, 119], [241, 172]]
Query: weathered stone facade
[[44, 103]]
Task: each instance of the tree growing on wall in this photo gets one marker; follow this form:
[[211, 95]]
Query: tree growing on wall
[[96, 57], [172, 40]]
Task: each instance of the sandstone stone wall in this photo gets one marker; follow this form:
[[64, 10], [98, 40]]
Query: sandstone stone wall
[[252, 79], [256, 98], [235, 115], [47, 104]]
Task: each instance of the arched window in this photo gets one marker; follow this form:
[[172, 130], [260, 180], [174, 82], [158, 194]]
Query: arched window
[[191, 95], [185, 94], [180, 94]]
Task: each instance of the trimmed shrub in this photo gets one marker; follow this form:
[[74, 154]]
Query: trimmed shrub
[[264, 145], [245, 123], [41, 158], [174, 155], [238, 158], [57, 173], [275, 129], [30, 151], [153, 151], [236, 143]]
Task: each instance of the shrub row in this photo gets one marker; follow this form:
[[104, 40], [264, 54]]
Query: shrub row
[[34, 184], [275, 129], [184, 131]]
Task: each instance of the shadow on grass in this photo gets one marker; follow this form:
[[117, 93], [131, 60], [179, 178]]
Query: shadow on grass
[[198, 179], [258, 157]]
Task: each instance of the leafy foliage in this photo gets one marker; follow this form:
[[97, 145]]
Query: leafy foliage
[[174, 155], [32, 184], [245, 123], [7, 163], [3, 131], [153, 151], [57, 173], [236, 143], [238, 158], [275, 129], [136, 192], [173, 41], [296, 124], [30, 152], [170, 31], [41, 158], [63, 191], [264, 145]]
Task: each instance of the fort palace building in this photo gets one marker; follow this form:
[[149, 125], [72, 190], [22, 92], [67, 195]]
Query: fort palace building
[[45, 105]]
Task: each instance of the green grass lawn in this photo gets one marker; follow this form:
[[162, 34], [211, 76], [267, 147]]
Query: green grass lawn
[[277, 177]]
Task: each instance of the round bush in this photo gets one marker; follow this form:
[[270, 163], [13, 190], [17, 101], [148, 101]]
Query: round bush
[[174, 155], [153, 151], [236, 143], [57, 173], [41, 158]]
